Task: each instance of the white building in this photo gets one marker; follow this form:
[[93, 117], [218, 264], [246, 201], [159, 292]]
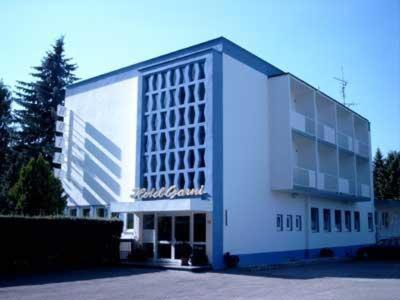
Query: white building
[[285, 168], [387, 217]]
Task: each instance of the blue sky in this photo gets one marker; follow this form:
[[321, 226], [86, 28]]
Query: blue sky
[[311, 39]]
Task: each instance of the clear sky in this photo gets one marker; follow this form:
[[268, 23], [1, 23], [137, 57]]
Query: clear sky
[[311, 39]]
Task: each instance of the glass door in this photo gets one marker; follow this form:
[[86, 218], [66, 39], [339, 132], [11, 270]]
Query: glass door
[[164, 237], [182, 234]]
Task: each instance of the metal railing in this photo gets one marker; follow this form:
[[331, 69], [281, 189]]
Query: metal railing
[[327, 182], [304, 177], [361, 148], [347, 186], [345, 141], [326, 132], [303, 123], [364, 190]]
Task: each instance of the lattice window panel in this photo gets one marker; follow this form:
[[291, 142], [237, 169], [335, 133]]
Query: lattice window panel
[[174, 127]]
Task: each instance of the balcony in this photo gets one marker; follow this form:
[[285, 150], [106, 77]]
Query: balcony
[[345, 141], [364, 190], [347, 186], [303, 123], [327, 182], [304, 177], [361, 148], [326, 133]]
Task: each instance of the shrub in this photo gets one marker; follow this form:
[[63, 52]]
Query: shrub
[[41, 243], [326, 252]]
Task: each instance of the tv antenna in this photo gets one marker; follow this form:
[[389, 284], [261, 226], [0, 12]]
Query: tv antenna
[[343, 84]]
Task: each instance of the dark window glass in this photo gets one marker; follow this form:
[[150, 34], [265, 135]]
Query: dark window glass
[[164, 228], [182, 228], [347, 220], [86, 212], [289, 222], [199, 228], [129, 221], [279, 222], [314, 219], [370, 222], [148, 222], [164, 251], [338, 220], [357, 221], [72, 212], [298, 223], [327, 220], [101, 212]]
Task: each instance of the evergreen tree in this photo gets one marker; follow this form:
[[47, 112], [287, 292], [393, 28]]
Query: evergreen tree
[[379, 175], [5, 141], [392, 169], [38, 191], [39, 100]]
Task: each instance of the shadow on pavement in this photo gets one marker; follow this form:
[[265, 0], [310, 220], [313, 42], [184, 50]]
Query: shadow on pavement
[[350, 269], [73, 275]]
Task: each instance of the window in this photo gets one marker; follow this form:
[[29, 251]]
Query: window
[[338, 220], [129, 221], [100, 213], [199, 227], [148, 222], [347, 220], [314, 219], [327, 220], [370, 222], [384, 220], [289, 222], [298, 223], [357, 221], [86, 212], [279, 222], [72, 212]]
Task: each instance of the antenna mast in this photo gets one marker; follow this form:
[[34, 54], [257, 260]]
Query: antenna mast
[[343, 84]]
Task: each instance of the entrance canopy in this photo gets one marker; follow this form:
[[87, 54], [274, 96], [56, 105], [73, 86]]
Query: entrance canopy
[[187, 204]]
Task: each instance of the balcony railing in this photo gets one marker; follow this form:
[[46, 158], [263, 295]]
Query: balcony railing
[[304, 177], [327, 182], [364, 190], [303, 123], [361, 148], [326, 133], [345, 141], [346, 186]]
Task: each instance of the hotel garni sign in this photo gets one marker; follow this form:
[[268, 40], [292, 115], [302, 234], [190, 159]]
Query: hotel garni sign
[[171, 193]]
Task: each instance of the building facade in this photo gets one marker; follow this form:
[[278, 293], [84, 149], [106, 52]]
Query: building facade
[[213, 146], [387, 217]]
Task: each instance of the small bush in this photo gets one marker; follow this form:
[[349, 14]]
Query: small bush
[[41, 243]]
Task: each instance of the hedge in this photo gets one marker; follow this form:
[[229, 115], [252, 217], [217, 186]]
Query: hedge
[[42, 243]]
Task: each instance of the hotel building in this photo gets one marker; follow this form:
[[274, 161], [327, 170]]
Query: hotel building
[[268, 167]]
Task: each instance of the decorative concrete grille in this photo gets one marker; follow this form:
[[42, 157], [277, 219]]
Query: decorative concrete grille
[[174, 127]]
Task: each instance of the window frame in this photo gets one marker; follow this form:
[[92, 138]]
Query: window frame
[[370, 222], [314, 212], [289, 223], [279, 222], [327, 226], [338, 217], [299, 223], [127, 228], [357, 221], [347, 220]]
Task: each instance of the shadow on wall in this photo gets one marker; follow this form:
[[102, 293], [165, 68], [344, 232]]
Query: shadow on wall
[[93, 164]]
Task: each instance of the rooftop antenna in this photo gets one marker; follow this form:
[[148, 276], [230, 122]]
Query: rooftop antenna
[[343, 84]]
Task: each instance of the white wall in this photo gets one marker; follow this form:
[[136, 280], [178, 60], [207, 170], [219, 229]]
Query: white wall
[[250, 203], [100, 144]]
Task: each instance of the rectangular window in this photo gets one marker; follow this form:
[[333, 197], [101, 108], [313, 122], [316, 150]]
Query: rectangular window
[[100, 212], [298, 223], [347, 220], [129, 221], [199, 228], [338, 220], [314, 219], [357, 221], [86, 212], [148, 222], [72, 212], [327, 220], [279, 222], [289, 222], [384, 220], [114, 215], [370, 222]]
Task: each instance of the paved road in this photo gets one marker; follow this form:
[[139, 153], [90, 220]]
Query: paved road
[[345, 280]]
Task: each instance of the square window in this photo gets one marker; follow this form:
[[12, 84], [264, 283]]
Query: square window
[[100, 212], [289, 222], [279, 222], [357, 221], [327, 220], [86, 212], [299, 224], [338, 220], [72, 212], [314, 219], [347, 220]]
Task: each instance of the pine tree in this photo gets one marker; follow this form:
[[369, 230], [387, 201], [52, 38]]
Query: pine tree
[[38, 191], [39, 100], [392, 169], [379, 175]]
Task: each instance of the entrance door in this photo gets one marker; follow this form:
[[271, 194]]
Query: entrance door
[[164, 237], [182, 234]]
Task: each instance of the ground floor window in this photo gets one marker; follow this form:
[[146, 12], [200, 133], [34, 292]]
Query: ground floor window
[[314, 219], [347, 220], [199, 227], [357, 221], [114, 215], [129, 221], [370, 222], [299, 224], [289, 222], [100, 212], [338, 220], [327, 220], [86, 212], [148, 222], [73, 212], [279, 222]]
